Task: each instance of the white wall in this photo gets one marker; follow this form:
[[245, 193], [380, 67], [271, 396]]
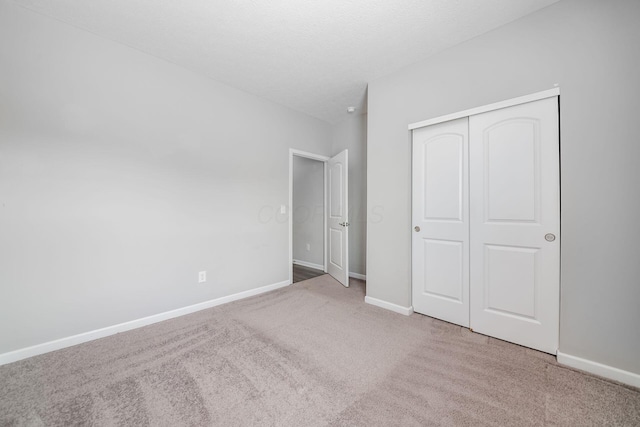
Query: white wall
[[308, 210], [122, 176], [351, 134], [590, 48]]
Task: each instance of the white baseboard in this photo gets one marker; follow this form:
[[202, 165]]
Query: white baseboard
[[389, 306], [358, 276], [599, 369], [308, 264], [61, 343]]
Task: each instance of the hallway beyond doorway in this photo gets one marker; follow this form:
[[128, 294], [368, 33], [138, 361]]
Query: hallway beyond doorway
[[301, 273]]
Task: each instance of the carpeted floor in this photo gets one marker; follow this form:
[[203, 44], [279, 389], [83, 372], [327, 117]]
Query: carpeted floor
[[311, 354]]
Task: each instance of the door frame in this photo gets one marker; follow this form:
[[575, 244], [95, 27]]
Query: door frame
[[479, 110], [324, 159]]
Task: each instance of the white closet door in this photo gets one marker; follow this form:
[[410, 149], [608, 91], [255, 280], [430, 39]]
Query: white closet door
[[440, 251], [515, 224]]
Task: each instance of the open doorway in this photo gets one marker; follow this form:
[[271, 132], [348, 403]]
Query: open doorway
[[318, 201], [308, 212]]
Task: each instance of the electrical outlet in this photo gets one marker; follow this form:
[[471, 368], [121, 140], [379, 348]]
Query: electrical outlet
[[308, 246], [202, 277], [283, 209]]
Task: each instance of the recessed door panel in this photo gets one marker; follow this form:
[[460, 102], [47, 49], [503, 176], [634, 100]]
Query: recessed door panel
[[512, 177], [443, 269], [443, 162], [335, 190], [510, 280], [440, 258], [335, 241]]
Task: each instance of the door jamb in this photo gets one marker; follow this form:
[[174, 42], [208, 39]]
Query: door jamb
[[324, 160]]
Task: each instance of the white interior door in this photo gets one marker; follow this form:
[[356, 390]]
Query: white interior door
[[338, 217], [515, 224], [440, 243]]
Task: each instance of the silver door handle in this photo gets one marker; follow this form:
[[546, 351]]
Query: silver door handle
[[549, 237], [416, 228], [344, 224]]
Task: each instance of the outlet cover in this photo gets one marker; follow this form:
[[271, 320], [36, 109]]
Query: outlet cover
[[202, 276]]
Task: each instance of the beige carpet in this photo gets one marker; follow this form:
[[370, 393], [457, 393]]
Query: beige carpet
[[311, 354]]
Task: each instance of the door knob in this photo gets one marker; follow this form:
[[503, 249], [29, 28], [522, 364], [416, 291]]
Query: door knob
[[549, 237], [344, 224], [416, 228]]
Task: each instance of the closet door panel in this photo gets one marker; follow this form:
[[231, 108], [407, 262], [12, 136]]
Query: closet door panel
[[515, 224], [440, 243]]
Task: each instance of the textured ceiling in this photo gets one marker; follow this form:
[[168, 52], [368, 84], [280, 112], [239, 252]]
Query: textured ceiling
[[315, 56]]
